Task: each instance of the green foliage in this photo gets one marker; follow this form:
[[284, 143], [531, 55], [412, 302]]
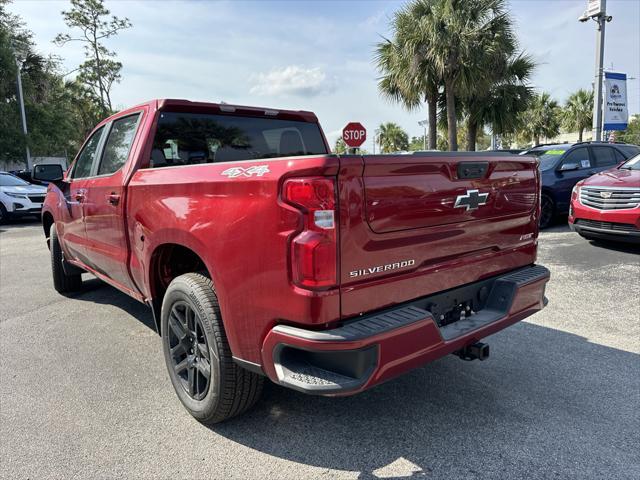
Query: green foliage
[[416, 144], [541, 119], [59, 114], [408, 75], [340, 146], [99, 71], [392, 138], [632, 133], [577, 114], [501, 101], [464, 51]]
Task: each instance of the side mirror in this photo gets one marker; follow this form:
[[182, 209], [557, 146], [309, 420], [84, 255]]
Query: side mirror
[[568, 167], [47, 173]]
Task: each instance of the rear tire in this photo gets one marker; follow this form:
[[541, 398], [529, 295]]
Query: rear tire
[[62, 282], [547, 211], [210, 385]]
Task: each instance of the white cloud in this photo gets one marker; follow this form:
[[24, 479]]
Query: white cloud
[[293, 80]]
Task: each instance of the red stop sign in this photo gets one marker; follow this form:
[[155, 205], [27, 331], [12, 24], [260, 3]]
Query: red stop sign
[[354, 134]]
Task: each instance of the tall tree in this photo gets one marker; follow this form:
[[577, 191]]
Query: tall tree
[[502, 100], [53, 108], [392, 138], [100, 71], [408, 75], [577, 114], [462, 28], [632, 133], [541, 119]]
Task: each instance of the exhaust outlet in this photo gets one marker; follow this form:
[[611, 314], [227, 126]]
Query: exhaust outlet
[[477, 351]]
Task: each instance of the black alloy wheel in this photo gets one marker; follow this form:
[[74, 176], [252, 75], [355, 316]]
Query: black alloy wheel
[[190, 356]]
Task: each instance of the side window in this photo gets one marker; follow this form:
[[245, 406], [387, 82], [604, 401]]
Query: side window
[[82, 167], [604, 156], [619, 156], [579, 156], [630, 150], [116, 149]]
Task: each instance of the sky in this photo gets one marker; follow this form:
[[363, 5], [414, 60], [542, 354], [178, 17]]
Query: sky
[[318, 55]]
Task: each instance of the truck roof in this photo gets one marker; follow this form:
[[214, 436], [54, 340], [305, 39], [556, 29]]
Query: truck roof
[[183, 105]]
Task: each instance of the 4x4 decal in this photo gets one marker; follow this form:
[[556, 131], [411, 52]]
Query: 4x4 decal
[[257, 170]]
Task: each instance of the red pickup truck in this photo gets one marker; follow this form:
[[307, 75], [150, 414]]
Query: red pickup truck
[[261, 253]]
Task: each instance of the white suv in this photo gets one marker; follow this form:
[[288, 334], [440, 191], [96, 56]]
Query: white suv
[[19, 198]]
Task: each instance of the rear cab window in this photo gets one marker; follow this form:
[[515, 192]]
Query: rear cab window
[[196, 138]]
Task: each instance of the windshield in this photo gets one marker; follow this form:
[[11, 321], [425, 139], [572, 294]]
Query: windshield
[[548, 158], [632, 163], [8, 180]]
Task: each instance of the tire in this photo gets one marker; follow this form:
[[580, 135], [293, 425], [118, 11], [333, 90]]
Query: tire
[[194, 340], [4, 215], [62, 282], [547, 211]]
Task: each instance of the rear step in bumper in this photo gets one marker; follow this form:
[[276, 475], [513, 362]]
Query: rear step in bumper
[[377, 347]]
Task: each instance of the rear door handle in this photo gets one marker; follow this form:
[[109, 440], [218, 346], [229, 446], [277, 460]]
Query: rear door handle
[[114, 198], [79, 196]]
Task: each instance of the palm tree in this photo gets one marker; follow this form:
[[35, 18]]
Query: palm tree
[[501, 104], [340, 146], [578, 112], [408, 76], [459, 30], [392, 138], [541, 119]]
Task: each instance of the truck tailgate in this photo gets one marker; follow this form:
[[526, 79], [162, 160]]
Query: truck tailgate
[[413, 225]]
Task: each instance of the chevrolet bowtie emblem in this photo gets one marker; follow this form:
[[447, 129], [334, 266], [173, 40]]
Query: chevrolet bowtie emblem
[[472, 200]]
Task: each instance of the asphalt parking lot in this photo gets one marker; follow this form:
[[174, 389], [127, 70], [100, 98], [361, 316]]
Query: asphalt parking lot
[[84, 392]]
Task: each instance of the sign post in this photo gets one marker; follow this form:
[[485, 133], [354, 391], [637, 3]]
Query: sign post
[[354, 135], [597, 10]]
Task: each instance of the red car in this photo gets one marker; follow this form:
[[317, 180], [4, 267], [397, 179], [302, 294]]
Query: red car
[[262, 254], [606, 206]]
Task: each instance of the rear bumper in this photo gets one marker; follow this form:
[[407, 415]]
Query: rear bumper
[[377, 347]]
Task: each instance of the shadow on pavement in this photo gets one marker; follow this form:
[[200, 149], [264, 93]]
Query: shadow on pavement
[[96, 291], [15, 223], [544, 399], [616, 246], [546, 404]]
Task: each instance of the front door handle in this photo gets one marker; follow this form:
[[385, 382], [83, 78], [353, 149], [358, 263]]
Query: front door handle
[[114, 198]]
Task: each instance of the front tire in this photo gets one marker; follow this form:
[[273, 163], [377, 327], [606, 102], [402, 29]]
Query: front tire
[[4, 215], [62, 282], [210, 385]]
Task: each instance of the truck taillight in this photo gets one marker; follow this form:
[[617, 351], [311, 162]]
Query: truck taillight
[[314, 250]]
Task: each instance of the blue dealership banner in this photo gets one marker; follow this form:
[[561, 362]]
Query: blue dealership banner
[[616, 113]]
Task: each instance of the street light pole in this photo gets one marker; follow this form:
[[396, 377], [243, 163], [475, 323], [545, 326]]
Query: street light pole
[[597, 10], [425, 124], [597, 105], [22, 112]]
